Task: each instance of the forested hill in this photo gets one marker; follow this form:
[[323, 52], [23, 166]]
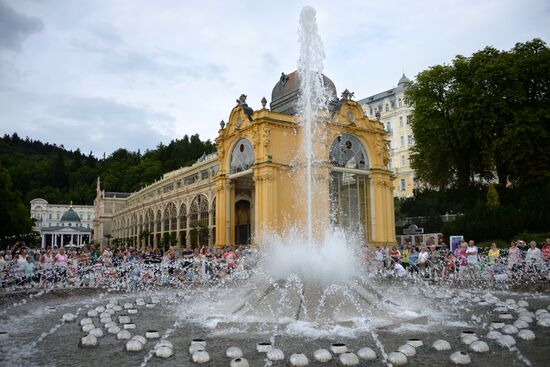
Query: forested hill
[[59, 175]]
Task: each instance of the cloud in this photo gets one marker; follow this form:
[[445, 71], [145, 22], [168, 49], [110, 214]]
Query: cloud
[[118, 57], [15, 28], [107, 74]]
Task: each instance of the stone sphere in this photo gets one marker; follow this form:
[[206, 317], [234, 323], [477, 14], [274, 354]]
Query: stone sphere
[[497, 325], [322, 355], [89, 341], [505, 316], [441, 345], [123, 319], [100, 309], [506, 341], [92, 313], [86, 320], [523, 303], [509, 329], [407, 350], [526, 334], [544, 322], [194, 348], [200, 357], [469, 339], [348, 359], [520, 324], [528, 319], [493, 334], [123, 335], [132, 311], [366, 353], [198, 341], [133, 345], [338, 348], [298, 360], [397, 358], [129, 326], [152, 334], [113, 330], [479, 346], [69, 317], [233, 352], [165, 343], [415, 342], [275, 354], [117, 308], [86, 328], [140, 339], [238, 362], [97, 332], [128, 306], [163, 351], [460, 358], [263, 347], [109, 324]]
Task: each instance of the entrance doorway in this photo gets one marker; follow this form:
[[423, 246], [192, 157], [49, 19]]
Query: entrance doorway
[[242, 222]]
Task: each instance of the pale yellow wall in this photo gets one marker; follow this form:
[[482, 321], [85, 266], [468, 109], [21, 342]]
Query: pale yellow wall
[[280, 167], [277, 174]]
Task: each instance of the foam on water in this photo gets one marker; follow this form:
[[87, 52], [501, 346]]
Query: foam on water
[[334, 260]]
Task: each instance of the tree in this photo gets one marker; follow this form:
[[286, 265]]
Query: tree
[[483, 117], [492, 197], [15, 216]]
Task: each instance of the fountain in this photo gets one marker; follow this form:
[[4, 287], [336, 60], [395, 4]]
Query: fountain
[[304, 297]]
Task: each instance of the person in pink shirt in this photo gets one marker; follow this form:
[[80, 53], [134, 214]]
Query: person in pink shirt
[[230, 259], [461, 255], [61, 262]]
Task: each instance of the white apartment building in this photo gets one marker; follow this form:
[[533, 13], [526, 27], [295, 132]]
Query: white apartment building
[[390, 108]]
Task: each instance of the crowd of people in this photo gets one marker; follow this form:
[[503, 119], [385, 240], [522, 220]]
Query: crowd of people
[[24, 267], [521, 262], [21, 266]]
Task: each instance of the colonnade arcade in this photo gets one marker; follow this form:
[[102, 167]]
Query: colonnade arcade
[[188, 222]]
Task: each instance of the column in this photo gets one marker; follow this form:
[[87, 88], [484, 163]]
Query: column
[[42, 240], [210, 227], [51, 239], [55, 242], [228, 213], [178, 228], [188, 232]]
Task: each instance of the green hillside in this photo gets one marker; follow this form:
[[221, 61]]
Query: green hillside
[[59, 175]]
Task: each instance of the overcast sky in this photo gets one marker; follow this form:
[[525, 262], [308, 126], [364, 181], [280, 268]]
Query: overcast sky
[[103, 74]]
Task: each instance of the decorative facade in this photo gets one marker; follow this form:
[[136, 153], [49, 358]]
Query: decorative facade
[[390, 108], [254, 184]]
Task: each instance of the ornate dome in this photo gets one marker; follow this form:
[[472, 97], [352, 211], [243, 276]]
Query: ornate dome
[[286, 92], [70, 216], [403, 80]]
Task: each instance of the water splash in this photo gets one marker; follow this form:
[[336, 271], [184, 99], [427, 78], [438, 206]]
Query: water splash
[[313, 102]]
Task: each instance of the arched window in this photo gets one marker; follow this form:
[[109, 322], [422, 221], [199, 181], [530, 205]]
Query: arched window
[[348, 187], [242, 156], [199, 211], [348, 152]]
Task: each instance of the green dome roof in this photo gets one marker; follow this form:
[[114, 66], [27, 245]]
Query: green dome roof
[[70, 216]]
